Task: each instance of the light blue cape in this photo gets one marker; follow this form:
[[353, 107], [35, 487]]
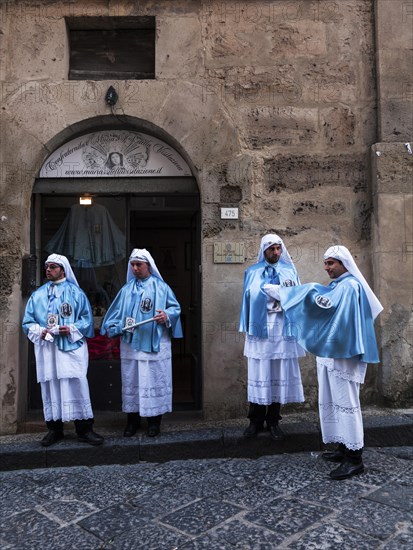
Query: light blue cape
[[127, 304], [333, 321], [253, 318], [36, 313]]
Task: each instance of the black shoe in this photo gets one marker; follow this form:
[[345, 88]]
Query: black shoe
[[130, 430], [333, 456], [253, 429], [51, 437], [153, 430], [91, 437], [154, 425], [132, 424], [276, 432], [347, 469]]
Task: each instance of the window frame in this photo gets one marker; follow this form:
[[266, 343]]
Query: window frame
[[88, 64]]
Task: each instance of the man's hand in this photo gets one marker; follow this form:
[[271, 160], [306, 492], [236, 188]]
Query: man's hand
[[47, 334], [161, 317], [64, 330]]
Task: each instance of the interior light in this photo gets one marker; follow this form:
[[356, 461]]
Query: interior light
[[85, 200]]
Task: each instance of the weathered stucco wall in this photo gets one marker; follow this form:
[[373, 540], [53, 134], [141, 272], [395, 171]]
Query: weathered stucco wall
[[275, 105]]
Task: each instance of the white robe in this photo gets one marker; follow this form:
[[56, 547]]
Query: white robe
[[339, 401], [273, 371], [62, 377], [147, 379]]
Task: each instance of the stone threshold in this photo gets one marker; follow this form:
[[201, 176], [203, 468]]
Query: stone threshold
[[25, 451]]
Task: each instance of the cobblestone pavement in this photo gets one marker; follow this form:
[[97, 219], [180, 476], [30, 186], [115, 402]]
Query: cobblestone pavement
[[280, 501]]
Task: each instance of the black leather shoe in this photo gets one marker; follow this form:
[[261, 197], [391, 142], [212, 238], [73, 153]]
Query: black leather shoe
[[276, 432], [130, 430], [253, 429], [132, 424], [153, 430], [91, 437], [333, 456], [51, 437], [347, 469]]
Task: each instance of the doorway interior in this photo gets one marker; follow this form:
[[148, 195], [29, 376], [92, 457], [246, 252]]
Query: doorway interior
[[98, 239]]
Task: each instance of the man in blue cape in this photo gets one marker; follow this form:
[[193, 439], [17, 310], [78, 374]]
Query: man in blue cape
[[336, 323], [274, 376], [146, 355], [58, 319]]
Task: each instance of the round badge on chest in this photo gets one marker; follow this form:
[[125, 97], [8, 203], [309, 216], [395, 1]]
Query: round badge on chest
[[323, 301], [146, 305], [66, 310]]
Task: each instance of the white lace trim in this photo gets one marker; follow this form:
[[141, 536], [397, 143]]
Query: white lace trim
[[79, 410], [294, 352], [147, 411], [52, 378], [347, 376], [351, 446], [348, 369], [339, 409], [147, 392], [272, 383], [73, 417]]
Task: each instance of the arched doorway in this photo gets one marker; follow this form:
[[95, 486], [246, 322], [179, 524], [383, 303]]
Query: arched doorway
[[142, 194]]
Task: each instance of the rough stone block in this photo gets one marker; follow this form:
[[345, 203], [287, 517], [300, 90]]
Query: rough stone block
[[297, 173], [321, 208], [339, 125], [178, 58], [285, 127], [326, 82], [396, 121], [394, 19]]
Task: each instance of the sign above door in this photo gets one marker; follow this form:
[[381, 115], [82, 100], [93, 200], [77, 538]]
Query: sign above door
[[114, 154]]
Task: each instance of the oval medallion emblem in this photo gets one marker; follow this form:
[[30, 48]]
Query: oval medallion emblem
[[323, 301], [66, 310], [146, 305]]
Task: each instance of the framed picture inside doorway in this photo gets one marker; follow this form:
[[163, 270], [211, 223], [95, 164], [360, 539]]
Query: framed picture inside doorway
[[168, 257]]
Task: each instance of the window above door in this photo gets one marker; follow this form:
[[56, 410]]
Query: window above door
[[111, 48]]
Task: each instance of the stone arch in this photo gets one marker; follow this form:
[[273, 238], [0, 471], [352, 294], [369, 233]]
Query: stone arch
[[133, 124]]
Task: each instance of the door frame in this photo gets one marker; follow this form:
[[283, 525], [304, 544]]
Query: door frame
[[44, 188]]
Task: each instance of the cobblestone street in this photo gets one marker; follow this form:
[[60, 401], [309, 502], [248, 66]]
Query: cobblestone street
[[281, 501]]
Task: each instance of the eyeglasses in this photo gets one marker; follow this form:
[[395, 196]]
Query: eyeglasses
[[52, 266]]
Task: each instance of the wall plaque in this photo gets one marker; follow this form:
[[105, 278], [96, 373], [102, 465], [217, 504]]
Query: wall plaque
[[229, 253]]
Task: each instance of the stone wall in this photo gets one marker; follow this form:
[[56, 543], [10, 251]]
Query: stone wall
[[393, 267], [394, 20], [273, 103], [392, 184]]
